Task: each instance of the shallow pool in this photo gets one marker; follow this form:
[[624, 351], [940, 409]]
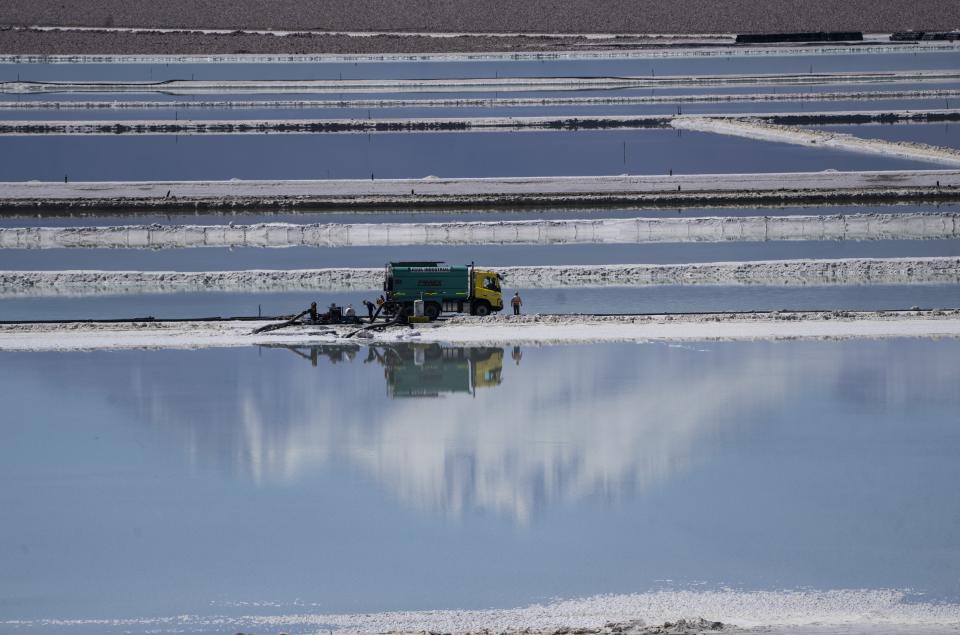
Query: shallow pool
[[220, 485], [406, 155], [651, 299]]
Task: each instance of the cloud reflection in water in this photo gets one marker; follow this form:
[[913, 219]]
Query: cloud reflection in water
[[504, 431]]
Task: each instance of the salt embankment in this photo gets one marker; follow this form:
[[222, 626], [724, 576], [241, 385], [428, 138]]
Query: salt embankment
[[914, 226], [757, 129], [738, 124], [853, 271], [432, 191], [493, 330], [482, 84], [479, 102], [782, 612]]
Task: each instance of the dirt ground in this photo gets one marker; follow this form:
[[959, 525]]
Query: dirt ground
[[60, 43], [620, 16], [483, 16]]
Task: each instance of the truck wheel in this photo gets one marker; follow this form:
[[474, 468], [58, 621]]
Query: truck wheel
[[481, 309], [431, 310]]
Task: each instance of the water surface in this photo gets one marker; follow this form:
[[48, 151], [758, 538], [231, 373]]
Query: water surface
[[409, 155], [651, 299], [351, 479]]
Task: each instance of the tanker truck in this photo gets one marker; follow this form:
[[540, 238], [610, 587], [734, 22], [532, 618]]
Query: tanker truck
[[442, 288]]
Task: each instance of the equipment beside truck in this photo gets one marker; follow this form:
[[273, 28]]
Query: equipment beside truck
[[442, 288]]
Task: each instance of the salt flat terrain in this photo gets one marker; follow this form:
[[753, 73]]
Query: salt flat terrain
[[700, 459], [499, 330]]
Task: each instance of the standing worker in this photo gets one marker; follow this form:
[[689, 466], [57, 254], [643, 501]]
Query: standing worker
[[516, 302], [369, 305]]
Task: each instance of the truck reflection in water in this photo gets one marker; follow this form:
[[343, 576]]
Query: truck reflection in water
[[419, 370]]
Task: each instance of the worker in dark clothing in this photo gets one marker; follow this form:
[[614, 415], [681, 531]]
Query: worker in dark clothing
[[516, 302], [370, 306]]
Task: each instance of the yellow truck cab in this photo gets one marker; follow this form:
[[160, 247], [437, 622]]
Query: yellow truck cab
[[486, 290]]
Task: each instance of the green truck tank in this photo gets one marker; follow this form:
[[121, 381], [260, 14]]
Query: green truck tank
[[443, 289]]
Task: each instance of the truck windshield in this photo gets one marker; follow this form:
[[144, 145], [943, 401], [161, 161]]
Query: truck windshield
[[491, 284]]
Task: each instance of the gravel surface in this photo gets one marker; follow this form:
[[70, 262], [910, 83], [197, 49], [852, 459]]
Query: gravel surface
[[543, 16], [83, 43], [566, 16]]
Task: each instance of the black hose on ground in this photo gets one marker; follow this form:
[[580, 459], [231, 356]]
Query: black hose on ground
[[280, 325], [374, 326]]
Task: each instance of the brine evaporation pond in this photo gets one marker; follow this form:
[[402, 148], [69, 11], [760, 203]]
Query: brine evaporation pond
[[351, 479], [415, 155], [643, 299]]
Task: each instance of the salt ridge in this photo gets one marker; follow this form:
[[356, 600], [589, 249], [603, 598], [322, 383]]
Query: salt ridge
[[679, 189], [854, 610], [483, 84], [933, 225], [754, 128], [497, 330], [582, 54], [849, 271], [462, 102]]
